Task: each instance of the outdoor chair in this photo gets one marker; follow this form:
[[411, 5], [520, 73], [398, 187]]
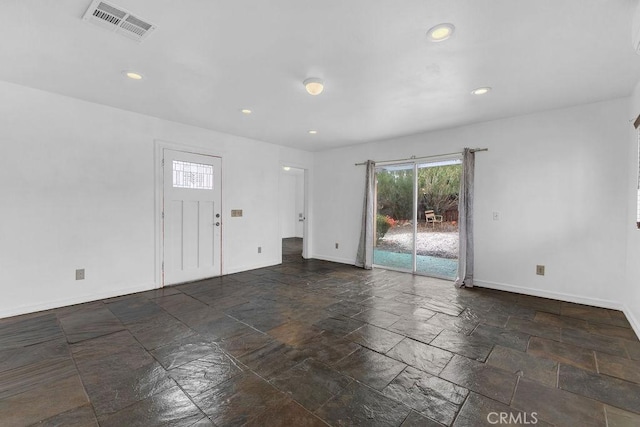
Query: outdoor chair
[[432, 218]]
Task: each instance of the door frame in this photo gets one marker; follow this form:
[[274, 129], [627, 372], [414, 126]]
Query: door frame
[[415, 165], [306, 234], [159, 147]]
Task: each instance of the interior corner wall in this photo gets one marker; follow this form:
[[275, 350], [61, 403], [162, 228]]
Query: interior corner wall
[[78, 189], [632, 283], [291, 203], [287, 205], [558, 179], [299, 208]]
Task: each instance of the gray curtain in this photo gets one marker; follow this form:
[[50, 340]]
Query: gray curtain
[[465, 221], [364, 258]]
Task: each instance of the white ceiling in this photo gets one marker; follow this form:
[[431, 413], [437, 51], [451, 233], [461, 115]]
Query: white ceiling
[[208, 59]]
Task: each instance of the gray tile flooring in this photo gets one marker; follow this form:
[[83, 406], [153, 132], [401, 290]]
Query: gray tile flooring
[[311, 343]]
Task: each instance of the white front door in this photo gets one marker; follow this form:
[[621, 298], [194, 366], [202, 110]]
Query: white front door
[[192, 216]]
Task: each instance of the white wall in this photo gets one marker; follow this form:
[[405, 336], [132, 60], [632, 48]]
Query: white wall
[[78, 188], [291, 203], [632, 291], [299, 208], [558, 179], [78, 185], [287, 205]]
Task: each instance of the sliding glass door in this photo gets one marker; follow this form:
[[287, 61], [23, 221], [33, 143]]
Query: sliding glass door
[[394, 239], [417, 221]]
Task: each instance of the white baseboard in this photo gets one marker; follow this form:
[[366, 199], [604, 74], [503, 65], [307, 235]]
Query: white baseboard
[[79, 299], [596, 302], [633, 320], [334, 259]]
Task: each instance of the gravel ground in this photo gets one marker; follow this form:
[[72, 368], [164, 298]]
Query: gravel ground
[[443, 244]]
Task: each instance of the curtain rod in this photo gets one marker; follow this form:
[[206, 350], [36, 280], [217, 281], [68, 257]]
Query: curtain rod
[[424, 157]]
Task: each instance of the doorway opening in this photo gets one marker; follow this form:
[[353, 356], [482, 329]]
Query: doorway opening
[[291, 249], [292, 211], [417, 217]]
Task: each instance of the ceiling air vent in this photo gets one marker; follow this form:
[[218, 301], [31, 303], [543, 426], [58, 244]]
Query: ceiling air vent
[[118, 20]]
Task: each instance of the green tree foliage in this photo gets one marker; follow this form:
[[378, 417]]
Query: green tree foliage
[[395, 193], [382, 226], [438, 189]]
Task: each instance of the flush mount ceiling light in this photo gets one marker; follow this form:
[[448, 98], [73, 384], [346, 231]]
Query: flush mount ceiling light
[[313, 132], [440, 32], [246, 111], [481, 91], [132, 75], [287, 168], [314, 86]]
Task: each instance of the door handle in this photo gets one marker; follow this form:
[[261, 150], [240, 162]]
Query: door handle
[[217, 224]]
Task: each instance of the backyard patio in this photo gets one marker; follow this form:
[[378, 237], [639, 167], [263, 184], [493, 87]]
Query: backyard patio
[[437, 248]]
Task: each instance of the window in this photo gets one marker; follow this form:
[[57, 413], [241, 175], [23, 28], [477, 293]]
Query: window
[[192, 175]]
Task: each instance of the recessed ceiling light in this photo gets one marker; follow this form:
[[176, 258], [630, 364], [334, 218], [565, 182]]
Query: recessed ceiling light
[[132, 75], [287, 168], [440, 32], [246, 111], [481, 90], [314, 86], [313, 132]]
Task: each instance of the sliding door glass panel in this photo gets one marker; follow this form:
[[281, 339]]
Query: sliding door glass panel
[[395, 213], [437, 227], [417, 217]]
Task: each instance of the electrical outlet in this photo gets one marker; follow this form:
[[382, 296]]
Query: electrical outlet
[[540, 270], [80, 274], [337, 245], [259, 249]]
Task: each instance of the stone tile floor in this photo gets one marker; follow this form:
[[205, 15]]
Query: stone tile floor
[[311, 343]]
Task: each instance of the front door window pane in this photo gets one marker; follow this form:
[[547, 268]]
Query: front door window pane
[[196, 176]]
